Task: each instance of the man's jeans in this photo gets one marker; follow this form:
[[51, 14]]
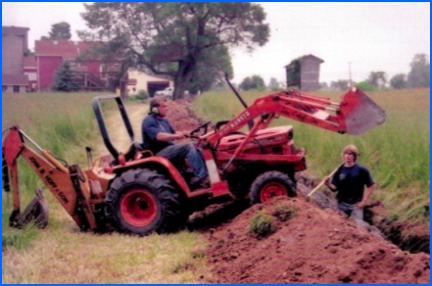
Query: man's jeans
[[351, 210], [180, 152]]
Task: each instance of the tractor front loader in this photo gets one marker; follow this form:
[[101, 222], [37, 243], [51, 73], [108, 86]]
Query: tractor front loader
[[138, 193]]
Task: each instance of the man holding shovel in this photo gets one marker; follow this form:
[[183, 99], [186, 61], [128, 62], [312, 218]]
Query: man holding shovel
[[349, 181]]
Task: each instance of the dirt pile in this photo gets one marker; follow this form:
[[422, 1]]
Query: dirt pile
[[313, 246], [181, 116]]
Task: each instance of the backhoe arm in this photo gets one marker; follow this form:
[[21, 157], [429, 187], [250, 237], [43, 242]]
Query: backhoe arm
[[68, 184]]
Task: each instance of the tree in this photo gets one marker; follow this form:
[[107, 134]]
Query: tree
[[246, 83], [398, 81], [211, 68], [340, 84], [64, 79], [254, 82], [274, 85], [420, 72], [378, 79], [59, 31], [170, 38]]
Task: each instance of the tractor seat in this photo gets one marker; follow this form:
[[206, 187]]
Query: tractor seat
[[136, 151]]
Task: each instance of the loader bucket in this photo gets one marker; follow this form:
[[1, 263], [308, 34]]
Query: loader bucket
[[360, 112]]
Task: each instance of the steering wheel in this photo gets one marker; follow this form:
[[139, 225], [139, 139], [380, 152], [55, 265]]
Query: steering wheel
[[205, 126]]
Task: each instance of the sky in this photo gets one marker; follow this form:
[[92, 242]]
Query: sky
[[356, 37]]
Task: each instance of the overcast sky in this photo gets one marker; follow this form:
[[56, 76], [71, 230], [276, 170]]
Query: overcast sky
[[367, 36]]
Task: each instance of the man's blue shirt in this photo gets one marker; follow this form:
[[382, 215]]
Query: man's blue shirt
[[151, 126]]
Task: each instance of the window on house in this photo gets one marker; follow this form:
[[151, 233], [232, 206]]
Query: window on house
[[4, 88], [16, 88]]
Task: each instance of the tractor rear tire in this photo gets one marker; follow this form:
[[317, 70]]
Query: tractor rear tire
[[271, 184], [142, 201]]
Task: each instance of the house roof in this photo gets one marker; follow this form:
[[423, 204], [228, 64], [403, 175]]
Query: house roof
[[64, 48], [310, 56], [8, 79], [7, 30], [302, 58]]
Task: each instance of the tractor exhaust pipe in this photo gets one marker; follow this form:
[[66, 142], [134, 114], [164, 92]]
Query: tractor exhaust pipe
[[250, 122]]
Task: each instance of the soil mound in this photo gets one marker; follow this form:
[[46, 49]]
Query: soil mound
[[311, 242], [312, 246]]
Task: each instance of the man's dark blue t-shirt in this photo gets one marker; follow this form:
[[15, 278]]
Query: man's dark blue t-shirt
[[150, 127], [350, 183]]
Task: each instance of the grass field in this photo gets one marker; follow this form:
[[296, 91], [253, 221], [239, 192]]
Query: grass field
[[397, 152]]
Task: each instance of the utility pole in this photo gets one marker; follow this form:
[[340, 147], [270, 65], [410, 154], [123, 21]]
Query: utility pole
[[350, 78]]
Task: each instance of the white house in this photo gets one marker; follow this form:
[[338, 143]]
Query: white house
[[138, 80]]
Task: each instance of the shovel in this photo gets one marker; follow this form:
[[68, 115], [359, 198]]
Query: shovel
[[323, 181]]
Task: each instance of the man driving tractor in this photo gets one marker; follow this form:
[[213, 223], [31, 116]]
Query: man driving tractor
[[158, 136]]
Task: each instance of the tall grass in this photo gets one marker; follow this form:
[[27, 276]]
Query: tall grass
[[397, 152], [58, 122]]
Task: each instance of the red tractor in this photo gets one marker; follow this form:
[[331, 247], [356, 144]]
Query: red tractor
[[139, 193]]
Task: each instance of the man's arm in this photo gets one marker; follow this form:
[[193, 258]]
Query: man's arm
[[366, 196], [165, 137], [329, 185]]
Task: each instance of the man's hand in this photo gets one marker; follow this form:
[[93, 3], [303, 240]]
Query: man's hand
[[180, 134], [360, 204], [329, 185]]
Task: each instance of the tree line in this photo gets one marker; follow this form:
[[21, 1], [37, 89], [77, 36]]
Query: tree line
[[418, 76], [189, 42]]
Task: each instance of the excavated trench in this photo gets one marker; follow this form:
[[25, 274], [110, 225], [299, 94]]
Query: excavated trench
[[408, 237]]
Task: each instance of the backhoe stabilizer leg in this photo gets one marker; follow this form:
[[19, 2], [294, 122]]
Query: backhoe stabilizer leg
[[36, 211]]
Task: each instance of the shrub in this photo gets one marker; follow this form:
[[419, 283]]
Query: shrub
[[262, 225], [142, 94], [284, 212]]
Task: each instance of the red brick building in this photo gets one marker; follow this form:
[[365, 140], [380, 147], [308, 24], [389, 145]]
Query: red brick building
[[14, 46], [90, 74]]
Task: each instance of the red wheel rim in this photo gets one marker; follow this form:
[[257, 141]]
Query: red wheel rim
[[138, 207], [272, 190]]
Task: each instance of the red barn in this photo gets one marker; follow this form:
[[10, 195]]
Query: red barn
[[91, 74]]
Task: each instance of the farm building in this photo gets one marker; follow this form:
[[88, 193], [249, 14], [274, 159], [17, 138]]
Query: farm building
[[304, 72], [90, 73], [14, 46]]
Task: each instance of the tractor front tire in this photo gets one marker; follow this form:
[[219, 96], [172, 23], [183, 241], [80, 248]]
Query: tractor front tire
[[142, 201], [271, 184]]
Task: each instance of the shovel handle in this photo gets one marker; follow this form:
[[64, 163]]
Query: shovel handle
[[322, 182]]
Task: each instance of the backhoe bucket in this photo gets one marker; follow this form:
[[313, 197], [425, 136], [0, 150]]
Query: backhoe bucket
[[37, 211], [360, 112]]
